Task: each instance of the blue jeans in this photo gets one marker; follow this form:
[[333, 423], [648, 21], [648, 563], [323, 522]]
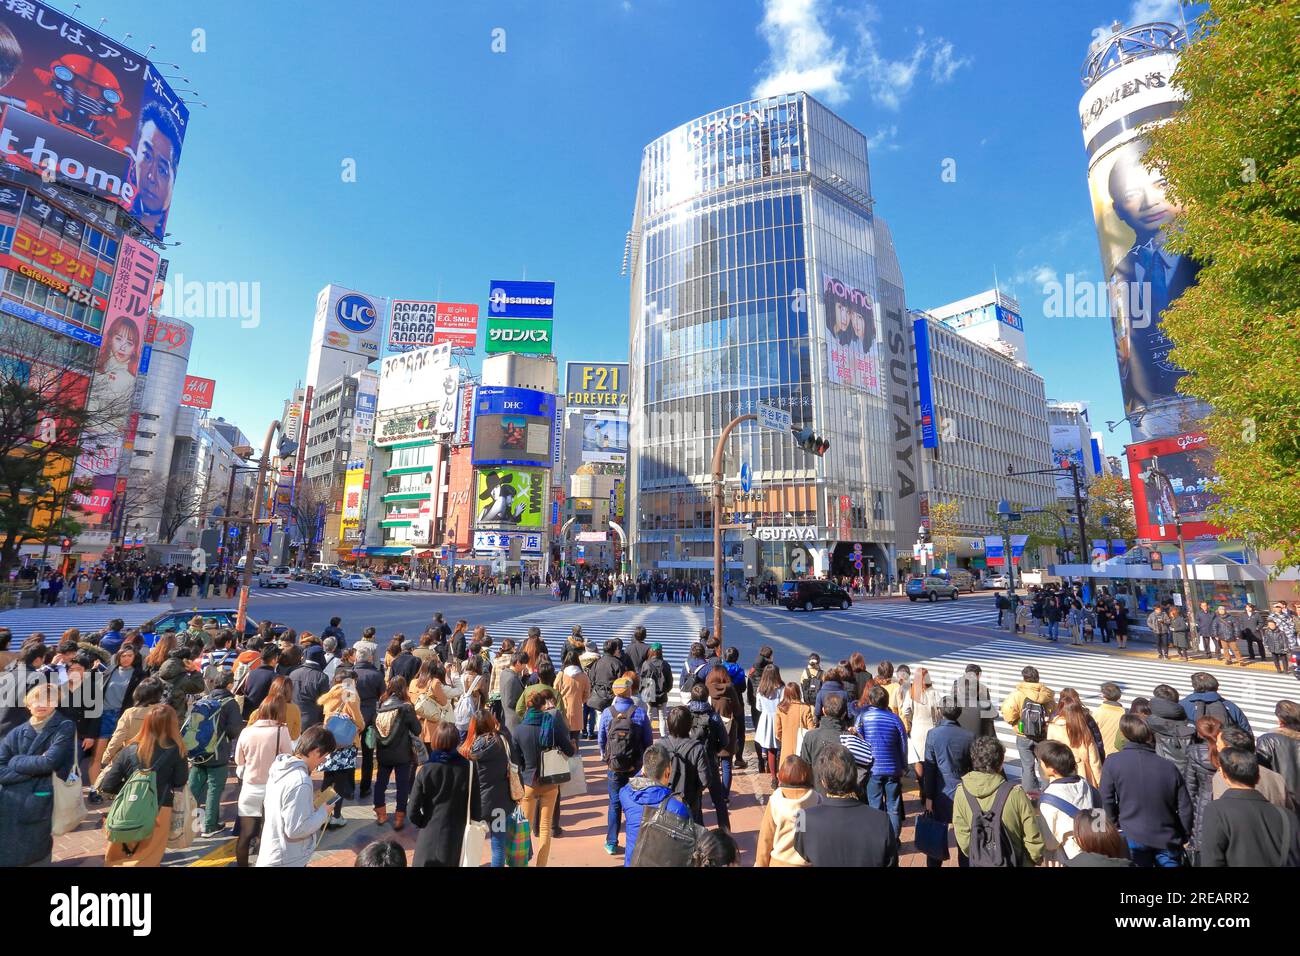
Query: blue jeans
[[886, 793], [1053, 630], [589, 715], [498, 842], [614, 819], [1152, 856], [726, 774]]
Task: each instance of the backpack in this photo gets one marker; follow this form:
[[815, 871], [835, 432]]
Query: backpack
[[665, 839], [651, 685], [704, 730], [200, 733], [692, 677], [622, 746], [1214, 708], [811, 686], [131, 817], [989, 843], [464, 711], [1033, 721], [344, 729]]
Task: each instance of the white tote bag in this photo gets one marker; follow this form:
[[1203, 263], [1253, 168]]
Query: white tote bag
[[576, 785], [69, 807], [476, 831]]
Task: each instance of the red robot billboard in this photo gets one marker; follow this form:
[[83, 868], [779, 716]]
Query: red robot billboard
[[69, 79]]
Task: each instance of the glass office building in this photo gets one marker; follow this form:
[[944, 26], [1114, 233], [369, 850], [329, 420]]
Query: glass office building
[[760, 274]]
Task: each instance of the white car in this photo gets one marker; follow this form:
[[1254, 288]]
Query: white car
[[997, 582], [356, 582], [280, 577]]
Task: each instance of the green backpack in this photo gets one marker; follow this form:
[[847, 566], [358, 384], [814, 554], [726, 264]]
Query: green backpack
[[131, 817]]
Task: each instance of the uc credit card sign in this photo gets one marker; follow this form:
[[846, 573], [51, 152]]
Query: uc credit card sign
[[518, 299]]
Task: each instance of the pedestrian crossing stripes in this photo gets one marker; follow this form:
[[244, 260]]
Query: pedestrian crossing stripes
[[53, 621], [1001, 663], [971, 614]]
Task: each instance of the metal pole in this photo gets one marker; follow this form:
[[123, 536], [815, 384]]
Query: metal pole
[[251, 547], [225, 519], [1078, 510], [718, 449]]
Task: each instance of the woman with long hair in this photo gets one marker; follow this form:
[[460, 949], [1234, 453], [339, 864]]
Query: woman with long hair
[[500, 664], [429, 697], [1202, 767], [161, 650], [157, 748], [573, 687], [282, 688], [766, 697], [398, 729], [487, 748], [390, 653], [440, 795], [1070, 727], [474, 687], [921, 707], [860, 676], [783, 814], [793, 718], [264, 739], [341, 716], [542, 729], [123, 677]]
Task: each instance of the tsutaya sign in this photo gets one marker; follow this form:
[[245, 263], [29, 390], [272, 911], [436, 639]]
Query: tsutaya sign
[[788, 534]]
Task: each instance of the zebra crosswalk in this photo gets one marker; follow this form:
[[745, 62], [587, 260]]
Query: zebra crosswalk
[[963, 611], [1001, 663], [53, 621]]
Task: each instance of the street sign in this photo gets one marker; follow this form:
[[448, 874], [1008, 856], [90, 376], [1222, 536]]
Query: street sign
[[770, 416], [746, 477]]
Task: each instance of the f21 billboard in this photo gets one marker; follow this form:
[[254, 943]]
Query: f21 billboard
[[513, 426], [80, 106]]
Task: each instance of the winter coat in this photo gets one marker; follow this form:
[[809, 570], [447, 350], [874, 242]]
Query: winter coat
[[1243, 829], [259, 745], [725, 700], [526, 746], [603, 673], [1280, 750], [439, 798], [1056, 824], [403, 727], [171, 770], [658, 671], [1275, 640], [370, 684], [1019, 820], [492, 776], [977, 710], [1145, 795], [573, 687], [1225, 629], [636, 652], [1087, 758], [781, 820], [1207, 701], [29, 758], [1180, 634], [884, 733], [1107, 717], [256, 685], [291, 823], [693, 771], [1026, 690], [1174, 733], [512, 689], [309, 684], [827, 732], [636, 797], [843, 831], [181, 683], [830, 688], [795, 717], [947, 760]]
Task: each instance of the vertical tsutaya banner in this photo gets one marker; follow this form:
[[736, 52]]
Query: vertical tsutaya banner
[[112, 391], [94, 114], [852, 353], [925, 387], [1130, 208]]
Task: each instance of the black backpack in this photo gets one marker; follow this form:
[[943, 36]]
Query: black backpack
[[811, 686], [989, 843], [1033, 721], [1215, 709], [1175, 748], [622, 743], [692, 677]]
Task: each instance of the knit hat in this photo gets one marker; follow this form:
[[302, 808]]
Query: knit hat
[[314, 653], [657, 647], [622, 687], [408, 645]]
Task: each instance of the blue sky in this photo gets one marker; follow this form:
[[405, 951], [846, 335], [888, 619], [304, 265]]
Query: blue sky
[[473, 165]]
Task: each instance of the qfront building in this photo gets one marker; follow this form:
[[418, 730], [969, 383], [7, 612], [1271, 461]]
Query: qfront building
[[761, 274]]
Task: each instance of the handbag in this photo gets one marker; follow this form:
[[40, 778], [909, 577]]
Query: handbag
[[185, 813], [931, 836], [69, 807], [419, 750], [476, 831], [512, 772], [554, 767], [665, 839], [576, 785], [519, 850]]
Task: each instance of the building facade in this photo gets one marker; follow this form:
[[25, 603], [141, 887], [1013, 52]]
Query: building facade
[[756, 278]]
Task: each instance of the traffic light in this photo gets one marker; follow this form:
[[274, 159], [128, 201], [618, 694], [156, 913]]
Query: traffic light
[[810, 442], [66, 545]]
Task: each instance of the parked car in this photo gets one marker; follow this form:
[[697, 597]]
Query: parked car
[[392, 582], [997, 582], [355, 582], [813, 594], [931, 587], [280, 577], [329, 578], [225, 618], [298, 574]]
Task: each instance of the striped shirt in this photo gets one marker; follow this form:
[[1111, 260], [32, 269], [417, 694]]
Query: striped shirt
[[860, 749], [225, 659]]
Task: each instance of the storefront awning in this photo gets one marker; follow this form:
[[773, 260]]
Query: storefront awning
[[382, 552]]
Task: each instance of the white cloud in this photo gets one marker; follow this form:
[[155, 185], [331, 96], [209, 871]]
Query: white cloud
[[802, 54], [884, 139], [1139, 12], [1035, 276]]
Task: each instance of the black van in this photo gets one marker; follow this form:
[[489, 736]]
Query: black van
[[814, 594]]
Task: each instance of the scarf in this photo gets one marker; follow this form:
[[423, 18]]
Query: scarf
[[545, 720], [444, 756]]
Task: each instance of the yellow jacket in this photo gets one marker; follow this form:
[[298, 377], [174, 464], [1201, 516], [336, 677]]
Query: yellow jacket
[[1026, 690]]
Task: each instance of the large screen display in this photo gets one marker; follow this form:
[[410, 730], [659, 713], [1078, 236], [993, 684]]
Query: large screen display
[[513, 426], [1188, 460], [510, 498]]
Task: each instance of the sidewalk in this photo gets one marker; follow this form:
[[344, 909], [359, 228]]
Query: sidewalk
[[582, 844]]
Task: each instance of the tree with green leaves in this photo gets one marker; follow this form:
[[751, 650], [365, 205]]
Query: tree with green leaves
[[1231, 159], [943, 528]]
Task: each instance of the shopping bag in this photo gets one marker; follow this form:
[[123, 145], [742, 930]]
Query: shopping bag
[[185, 819], [576, 785], [555, 767], [69, 807], [931, 836], [519, 848], [476, 831]]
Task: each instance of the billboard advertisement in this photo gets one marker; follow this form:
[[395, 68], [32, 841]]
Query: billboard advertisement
[[353, 485], [530, 336], [852, 336], [1130, 208], [925, 387], [596, 385], [510, 299], [529, 543], [363, 415], [418, 377], [416, 324], [97, 114], [513, 426], [198, 392], [348, 321], [460, 498], [465, 417], [1188, 460], [1067, 446], [510, 498], [423, 423], [604, 438]]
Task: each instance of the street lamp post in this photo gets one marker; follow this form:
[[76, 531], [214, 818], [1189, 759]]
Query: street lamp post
[[286, 448], [1073, 468], [718, 449]]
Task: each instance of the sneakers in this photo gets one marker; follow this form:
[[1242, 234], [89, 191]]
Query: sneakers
[[613, 849], [208, 834]]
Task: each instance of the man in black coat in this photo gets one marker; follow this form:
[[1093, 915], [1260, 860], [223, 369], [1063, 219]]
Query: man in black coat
[[258, 681], [842, 830], [370, 684], [638, 649], [1241, 828], [1145, 796], [309, 683], [405, 664], [609, 668], [833, 723]]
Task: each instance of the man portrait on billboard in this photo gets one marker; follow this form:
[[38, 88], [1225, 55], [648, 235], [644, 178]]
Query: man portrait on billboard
[[1146, 279], [154, 156]]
